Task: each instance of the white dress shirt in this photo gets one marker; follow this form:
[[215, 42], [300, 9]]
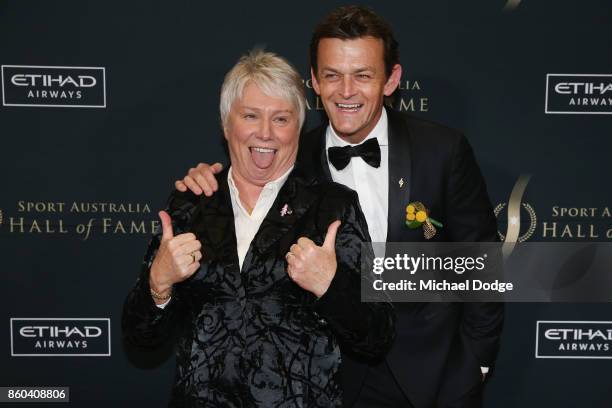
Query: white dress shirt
[[370, 183], [247, 225]]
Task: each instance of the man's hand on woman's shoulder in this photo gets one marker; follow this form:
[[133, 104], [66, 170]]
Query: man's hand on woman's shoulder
[[200, 179]]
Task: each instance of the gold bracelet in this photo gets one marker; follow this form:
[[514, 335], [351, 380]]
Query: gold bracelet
[[158, 296]]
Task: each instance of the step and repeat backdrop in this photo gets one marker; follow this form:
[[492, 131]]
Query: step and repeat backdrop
[[105, 104]]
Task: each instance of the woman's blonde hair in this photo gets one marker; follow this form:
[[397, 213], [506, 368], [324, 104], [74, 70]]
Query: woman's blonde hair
[[272, 74]]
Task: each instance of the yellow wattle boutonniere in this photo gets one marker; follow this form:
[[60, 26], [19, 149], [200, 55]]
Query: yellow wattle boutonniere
[[418, 216]]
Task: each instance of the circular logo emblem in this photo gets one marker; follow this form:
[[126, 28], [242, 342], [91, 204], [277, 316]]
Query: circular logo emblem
[[515, 219]]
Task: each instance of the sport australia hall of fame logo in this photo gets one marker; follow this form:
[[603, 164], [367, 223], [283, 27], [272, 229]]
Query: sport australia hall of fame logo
[[514, 210]]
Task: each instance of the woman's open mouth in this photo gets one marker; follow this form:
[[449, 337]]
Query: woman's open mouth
[[262, 156]]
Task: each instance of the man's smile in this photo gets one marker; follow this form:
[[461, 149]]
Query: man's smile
[[349, 107]]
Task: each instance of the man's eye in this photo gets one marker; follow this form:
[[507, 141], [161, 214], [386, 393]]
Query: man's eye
[[282, 120], [363, 76], [331, 76], [248, 116]]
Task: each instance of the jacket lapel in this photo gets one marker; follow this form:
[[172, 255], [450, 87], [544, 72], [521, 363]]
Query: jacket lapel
[[312, 158], [291, 203], [323, 153], [399, 176], [218, 227]]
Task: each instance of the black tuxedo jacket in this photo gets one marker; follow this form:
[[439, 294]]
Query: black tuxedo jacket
[[253, 337], [439, 346]]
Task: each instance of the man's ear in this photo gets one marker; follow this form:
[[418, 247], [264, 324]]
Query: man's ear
[[315, 83], [393, 80]]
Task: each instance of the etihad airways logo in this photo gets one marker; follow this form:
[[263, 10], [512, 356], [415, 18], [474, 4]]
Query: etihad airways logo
[[578, 93], [84, 337], [574, 339], [50, 86]]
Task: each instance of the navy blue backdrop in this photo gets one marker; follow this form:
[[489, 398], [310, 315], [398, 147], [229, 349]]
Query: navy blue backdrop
[[83, 173]]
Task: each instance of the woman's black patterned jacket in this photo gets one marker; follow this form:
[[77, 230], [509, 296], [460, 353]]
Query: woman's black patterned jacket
[[254, 337]]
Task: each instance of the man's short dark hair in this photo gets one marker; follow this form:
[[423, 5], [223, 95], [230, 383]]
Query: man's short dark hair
[[352, 22]]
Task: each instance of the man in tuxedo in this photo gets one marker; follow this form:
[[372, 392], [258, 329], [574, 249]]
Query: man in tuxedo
[[442, 351]]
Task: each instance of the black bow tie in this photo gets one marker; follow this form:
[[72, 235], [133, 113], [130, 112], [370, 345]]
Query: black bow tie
[[369, 151]]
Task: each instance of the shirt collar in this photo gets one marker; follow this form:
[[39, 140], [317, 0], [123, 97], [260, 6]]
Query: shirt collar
[[380, 131], [270, 187]]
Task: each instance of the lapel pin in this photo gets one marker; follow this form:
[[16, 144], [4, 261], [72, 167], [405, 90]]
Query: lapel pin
[[401, 182], [286, 210]]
